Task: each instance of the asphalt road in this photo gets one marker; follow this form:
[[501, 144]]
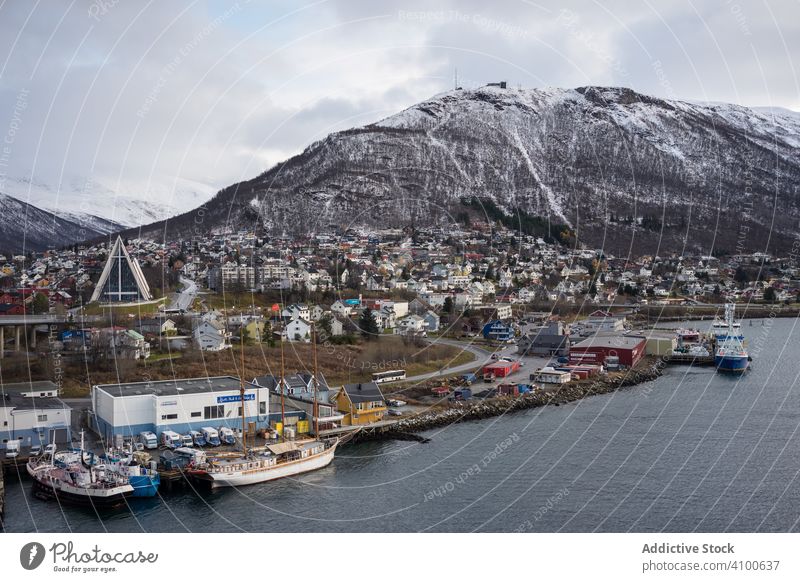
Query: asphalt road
[[183, 299], [483, 356]]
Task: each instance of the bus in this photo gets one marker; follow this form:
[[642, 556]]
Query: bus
[[389, 376]]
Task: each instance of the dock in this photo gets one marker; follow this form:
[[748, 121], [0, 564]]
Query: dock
[[690, 360]]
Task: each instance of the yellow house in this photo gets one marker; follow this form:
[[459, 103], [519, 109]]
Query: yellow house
[[255, 331], [361, 403]]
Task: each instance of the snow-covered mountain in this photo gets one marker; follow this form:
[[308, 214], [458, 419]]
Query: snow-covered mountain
[[107, 204], [625, 171], [28, 228]]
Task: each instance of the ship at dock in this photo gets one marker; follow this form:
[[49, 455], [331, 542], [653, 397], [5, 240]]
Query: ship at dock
[[284, 458], [68, 477], [731, 355], [275, 461]]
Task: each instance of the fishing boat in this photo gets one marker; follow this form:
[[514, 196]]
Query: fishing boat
[[274, 461], [69, 478], [135, 466], [731, 356]]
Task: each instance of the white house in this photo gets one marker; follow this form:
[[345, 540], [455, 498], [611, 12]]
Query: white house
[[341, 308], [297, 311], [412, 325], [211, 336], [298, 330]]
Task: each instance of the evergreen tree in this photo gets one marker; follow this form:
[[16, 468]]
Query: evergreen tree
[[448, 305], [368, 325]]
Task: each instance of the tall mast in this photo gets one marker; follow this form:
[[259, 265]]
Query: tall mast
[[241, 385], [316, 384], [281, 382]]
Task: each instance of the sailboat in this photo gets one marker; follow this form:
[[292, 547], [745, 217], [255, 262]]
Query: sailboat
[[273, 461]]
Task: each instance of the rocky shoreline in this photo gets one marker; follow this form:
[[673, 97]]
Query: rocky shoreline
[[406, 429]]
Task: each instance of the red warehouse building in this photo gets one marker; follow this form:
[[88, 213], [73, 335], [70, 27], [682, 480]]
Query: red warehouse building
[[501, 369], [595, 349]]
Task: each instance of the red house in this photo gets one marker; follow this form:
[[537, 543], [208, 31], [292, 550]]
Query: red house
[[595, 349], [12, 309]]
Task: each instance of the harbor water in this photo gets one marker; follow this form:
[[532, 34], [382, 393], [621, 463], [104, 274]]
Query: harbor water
[[691, 451]]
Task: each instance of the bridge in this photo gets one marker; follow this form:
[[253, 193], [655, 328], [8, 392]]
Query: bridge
[[25, 326]]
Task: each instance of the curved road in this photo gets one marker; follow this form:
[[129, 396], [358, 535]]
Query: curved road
[[482, 356]]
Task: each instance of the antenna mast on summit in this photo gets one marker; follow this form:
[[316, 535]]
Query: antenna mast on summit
[[455, 78]]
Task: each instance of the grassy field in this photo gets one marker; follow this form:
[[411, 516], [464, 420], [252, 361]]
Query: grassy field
[[339, 364], [132, 311]]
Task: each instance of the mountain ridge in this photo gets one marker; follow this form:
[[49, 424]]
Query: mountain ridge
[[706, 177]]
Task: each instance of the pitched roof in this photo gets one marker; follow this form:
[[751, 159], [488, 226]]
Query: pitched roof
[[366, 392]]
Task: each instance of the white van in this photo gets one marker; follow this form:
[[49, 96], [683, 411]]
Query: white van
[[171, 439], [12, 449], [148, 439], [211, 435]]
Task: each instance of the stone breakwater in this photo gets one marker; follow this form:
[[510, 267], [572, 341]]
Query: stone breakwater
[[481, 409]]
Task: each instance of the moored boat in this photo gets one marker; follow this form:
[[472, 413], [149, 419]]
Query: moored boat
[[731, 356], [68, 478], [276, 461]]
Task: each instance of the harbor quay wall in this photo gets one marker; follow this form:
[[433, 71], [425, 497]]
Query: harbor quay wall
[[650, 369]]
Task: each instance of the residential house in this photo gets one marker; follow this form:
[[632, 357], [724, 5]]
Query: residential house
[[497, 330], [211, 336], [432, 321], [361, 403], [298, 330], [412, 325]]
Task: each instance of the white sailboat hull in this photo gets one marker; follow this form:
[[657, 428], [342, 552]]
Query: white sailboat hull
[[264, 474]]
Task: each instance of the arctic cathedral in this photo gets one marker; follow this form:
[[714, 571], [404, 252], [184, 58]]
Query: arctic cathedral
[[122, 280]]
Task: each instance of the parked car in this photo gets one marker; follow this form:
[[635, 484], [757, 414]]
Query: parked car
[[35, 451]]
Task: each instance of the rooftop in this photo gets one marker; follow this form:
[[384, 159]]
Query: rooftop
[[32, 386], [27, 403], [610, 341], [366, 392], [175, 387]]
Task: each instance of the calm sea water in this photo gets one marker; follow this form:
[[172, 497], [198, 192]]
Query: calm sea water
[[692, 451]]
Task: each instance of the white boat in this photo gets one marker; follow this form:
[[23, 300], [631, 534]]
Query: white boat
[[68, 478], [276, 461]]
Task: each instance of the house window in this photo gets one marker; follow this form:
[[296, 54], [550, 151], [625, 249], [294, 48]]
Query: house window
[[41, 418], [214, 411], [262, 407], [169, 416], [196, 414]]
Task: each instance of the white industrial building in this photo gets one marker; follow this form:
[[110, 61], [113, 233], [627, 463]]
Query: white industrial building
[[178, 405], [34, 420]]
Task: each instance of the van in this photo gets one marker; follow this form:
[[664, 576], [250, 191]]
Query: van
[[148, 439], [171, 439], [226, 435], [211, 436], [12, 449], [187, 440]]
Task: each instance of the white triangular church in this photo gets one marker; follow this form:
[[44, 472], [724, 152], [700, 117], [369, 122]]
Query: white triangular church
[[122, 279]]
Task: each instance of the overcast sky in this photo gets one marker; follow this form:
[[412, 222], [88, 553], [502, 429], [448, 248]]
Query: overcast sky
[[216, 92]]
